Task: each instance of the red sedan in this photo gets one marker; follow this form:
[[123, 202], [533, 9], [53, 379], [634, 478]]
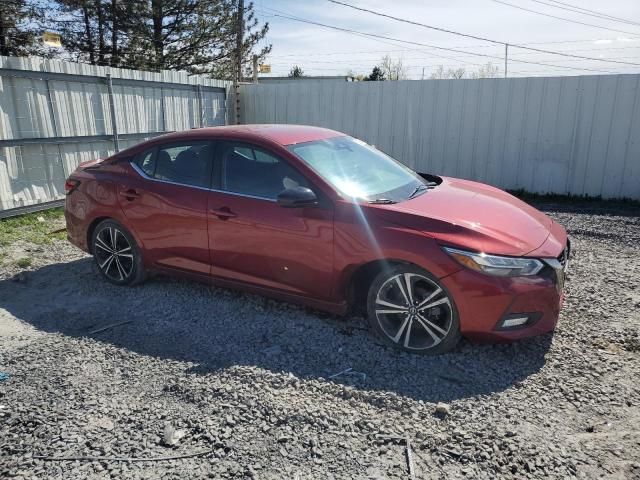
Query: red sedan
[[313, 216]]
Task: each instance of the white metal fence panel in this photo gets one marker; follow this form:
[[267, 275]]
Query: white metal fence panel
[[565, 135], [54, 115]]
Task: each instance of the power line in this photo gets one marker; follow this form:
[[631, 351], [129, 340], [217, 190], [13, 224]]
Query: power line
[[378, 38], [372, 35], [544, 72], [420, 50], [586, 11], [497, 42], [284, 68], [404, 20], [569, 41], [410, 63], [592, 40], [363, 61], [563, 18]]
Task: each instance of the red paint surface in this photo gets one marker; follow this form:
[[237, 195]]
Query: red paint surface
[[309, 255]]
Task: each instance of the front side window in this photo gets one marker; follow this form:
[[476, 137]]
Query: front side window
[[358, 170], [252, 171], [186, 164]]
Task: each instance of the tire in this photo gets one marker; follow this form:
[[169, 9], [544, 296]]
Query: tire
[[124, 268], [422, 319]]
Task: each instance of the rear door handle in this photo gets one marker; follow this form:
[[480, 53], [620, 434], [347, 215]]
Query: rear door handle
[[223, 213], [130, 194]]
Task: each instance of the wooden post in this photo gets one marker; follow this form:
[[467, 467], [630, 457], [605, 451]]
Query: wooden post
[[506, 56], [238, 76], [255, 69], [112, 107]]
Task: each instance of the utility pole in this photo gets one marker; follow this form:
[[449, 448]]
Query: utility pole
[[506, 57], [255, 69], [422, 73], [238, 75]]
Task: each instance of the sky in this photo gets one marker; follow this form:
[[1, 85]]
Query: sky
[[323, 51]]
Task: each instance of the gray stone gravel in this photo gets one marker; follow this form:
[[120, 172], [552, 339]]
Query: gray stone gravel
[[247, 378]]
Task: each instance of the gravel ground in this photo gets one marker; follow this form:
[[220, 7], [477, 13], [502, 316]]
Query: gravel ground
[[247, 380]]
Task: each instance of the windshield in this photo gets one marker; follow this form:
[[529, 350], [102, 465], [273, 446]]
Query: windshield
[[359, 170]]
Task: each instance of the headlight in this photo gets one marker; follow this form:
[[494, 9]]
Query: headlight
[[495, 265]]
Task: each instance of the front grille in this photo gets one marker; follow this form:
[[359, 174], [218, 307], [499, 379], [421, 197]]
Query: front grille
[[563, 258]]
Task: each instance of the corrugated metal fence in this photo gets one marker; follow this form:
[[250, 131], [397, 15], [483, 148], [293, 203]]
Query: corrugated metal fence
[[566, 135], [54, 115]]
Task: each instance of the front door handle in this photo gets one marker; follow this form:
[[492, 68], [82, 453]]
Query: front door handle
[[130, 194], [223, 213]]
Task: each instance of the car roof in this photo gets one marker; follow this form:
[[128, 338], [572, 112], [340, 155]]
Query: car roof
[[279, 133]]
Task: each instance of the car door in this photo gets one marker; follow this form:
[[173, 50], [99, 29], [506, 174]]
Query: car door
[[165, 200], [254, 240]]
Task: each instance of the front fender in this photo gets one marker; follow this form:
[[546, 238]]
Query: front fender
[[359, 242]]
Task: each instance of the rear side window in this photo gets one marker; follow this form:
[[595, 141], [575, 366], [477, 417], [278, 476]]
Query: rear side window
[[146, 162], [183, 163]]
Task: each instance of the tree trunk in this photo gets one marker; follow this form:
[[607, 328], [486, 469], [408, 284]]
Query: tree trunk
[[101, 43], [3, 38], [114, 33], [87, 32], [158, 44]]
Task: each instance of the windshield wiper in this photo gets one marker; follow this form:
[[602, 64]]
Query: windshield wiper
[[418, 189], [421, 187], [381, 201]]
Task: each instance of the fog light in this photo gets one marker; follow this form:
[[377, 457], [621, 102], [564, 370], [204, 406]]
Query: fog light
[[514, 322]]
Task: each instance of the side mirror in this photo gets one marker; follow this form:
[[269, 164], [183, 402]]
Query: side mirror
[[297, 197]]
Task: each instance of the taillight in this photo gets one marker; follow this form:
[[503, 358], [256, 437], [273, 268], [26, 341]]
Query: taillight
[[70, 185]]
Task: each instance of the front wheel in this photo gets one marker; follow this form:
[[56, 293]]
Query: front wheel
[[116, 254], [410, 310]]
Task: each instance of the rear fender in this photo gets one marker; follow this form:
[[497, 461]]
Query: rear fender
[[91, 201]]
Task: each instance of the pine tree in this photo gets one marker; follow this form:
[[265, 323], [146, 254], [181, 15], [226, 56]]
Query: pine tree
[[191, 35], [19, 32], [296, 72], [200, 37], [377, 75], [96, 31]]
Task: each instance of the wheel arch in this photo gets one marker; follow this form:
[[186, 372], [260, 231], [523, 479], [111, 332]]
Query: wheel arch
[[92, 227], [361, 278], [100, 218]]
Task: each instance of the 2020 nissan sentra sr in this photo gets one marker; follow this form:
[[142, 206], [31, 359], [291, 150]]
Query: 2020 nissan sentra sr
[[314, 216]]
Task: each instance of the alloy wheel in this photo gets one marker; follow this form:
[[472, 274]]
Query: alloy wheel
[[114, 254], [413, 311]]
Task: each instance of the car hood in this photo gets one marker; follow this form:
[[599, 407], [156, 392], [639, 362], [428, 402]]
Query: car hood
[[474, 216]]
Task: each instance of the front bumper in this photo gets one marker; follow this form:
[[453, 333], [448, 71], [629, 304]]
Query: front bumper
[[484, 301]]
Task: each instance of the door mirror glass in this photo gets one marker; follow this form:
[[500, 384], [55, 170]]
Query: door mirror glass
[[297, 197]]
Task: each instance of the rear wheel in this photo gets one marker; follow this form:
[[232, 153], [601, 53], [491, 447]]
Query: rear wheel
[[410, 310], [116, 254]]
